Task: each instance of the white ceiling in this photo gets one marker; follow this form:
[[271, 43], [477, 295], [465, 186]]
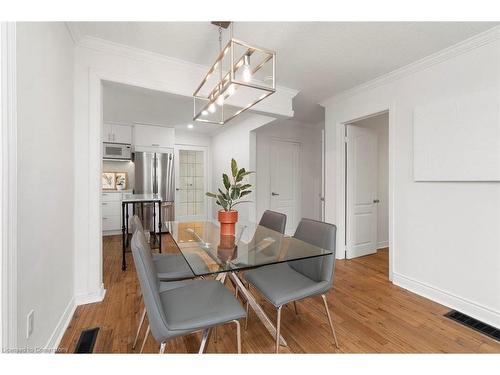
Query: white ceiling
[[320, 59], [131, 105]]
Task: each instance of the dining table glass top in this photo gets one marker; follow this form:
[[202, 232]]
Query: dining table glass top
[[208, 252]]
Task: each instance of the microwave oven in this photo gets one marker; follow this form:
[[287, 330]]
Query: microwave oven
[[117, 151]]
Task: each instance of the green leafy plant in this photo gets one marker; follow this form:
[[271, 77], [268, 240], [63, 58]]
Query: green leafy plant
[[234, 188]]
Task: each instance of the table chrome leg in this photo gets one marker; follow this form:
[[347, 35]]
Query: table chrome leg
[[246, 317], [256, 307]]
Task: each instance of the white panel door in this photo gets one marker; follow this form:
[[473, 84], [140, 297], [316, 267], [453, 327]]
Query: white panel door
[[285, 181], [361, 190]]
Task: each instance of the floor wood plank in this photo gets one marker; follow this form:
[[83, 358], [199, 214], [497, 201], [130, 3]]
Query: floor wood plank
[[370, 315]]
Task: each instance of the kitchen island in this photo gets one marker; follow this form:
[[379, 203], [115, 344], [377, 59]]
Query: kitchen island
[[134, 199]]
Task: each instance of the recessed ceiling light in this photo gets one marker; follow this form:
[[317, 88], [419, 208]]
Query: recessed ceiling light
[[190, 126]]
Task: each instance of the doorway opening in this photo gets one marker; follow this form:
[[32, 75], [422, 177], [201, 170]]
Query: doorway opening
[[367, 186], [289, 170]]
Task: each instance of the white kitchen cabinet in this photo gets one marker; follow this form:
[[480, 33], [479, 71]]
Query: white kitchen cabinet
[[111, 211], [115, 133], [153, 138]]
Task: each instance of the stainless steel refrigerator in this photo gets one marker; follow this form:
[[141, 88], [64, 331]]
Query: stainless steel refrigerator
[[154, 174]]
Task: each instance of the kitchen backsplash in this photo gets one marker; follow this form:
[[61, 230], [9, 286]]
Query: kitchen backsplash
[[121, 166]]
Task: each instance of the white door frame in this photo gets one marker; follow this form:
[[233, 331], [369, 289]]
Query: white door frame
[[341, 179], [8, 171], [95, 291], [206, 171]]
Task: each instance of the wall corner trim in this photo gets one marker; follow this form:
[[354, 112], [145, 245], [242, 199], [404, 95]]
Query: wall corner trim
[[63, 323], [97, 296], [457, 49], [482, 313]]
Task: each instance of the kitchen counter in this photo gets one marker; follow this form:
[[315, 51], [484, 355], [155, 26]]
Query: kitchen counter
[[141, 198]]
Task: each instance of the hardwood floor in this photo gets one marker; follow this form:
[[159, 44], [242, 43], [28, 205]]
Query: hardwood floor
[[369, 313]]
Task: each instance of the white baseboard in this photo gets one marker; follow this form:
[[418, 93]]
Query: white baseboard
[[62, 325], [83, 299], [382, 244], [448, 299]]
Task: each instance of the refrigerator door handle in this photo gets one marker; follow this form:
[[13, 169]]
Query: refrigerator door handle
[[155, 174]]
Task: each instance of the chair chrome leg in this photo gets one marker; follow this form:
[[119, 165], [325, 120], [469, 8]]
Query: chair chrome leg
[[295, 307], [278, 326], [145, 339], [238, 335], [163, 346], [204, 339], [139, 328], [330, 320]]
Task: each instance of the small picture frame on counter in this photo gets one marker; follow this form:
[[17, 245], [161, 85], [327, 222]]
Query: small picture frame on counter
[[108, 181], [121, 180]]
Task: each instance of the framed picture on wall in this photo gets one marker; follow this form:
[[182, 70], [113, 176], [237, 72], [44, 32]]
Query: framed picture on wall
[[121, 180], [108, 181]]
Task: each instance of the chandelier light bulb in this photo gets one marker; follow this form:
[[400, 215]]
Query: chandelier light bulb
[[204, 112], [211, 108], [247, 71], [220, 100], [230, 90]]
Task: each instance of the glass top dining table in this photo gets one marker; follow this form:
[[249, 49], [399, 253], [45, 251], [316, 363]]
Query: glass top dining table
[[208, 252]]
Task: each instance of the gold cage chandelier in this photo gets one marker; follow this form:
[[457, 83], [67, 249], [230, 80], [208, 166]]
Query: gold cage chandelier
[[241, 76]]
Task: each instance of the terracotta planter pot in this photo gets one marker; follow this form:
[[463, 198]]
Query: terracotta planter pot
[[227, 220]]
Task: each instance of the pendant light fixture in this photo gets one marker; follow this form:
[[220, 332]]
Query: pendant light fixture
[[241, 76]]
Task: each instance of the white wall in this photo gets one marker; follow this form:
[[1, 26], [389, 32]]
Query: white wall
[[45, 179], [309, 136], [446, 236], [191, 138], [238, 141], [380, 124]]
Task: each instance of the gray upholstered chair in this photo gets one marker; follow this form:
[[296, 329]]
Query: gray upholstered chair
[[295, 280], [194, 306], [170, 266], [271, 220]]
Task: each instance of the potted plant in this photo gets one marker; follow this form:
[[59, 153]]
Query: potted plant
[[234, 190]]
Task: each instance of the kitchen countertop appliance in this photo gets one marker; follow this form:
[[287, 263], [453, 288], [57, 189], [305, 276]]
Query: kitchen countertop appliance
[[154, 174]]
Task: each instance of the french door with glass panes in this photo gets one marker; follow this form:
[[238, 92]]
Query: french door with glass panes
[[191, 183]]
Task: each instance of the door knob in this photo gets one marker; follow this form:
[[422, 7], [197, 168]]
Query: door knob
[[376, 201], [274, 194]]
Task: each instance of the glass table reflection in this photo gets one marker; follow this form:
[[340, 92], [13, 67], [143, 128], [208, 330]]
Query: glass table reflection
[[207, 252]]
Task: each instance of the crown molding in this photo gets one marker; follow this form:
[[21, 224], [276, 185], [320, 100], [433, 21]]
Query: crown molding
[[107, 46], [73, 32], [476, 41]]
